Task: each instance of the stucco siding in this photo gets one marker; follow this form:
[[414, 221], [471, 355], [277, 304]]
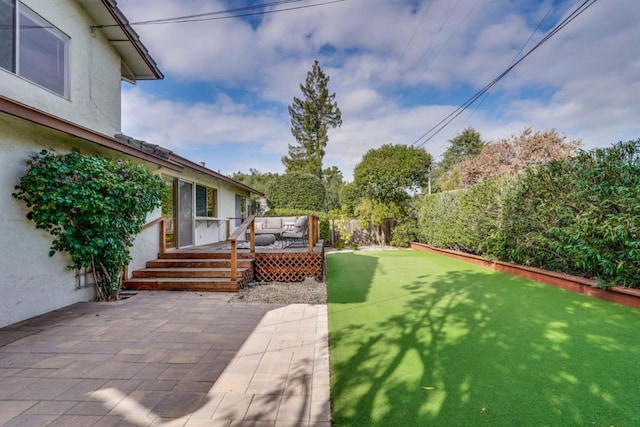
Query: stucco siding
[[146, 245], [31, 282], [94, 73]]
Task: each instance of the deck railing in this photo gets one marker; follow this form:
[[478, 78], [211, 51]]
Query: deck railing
[[313, 236], [249, 224], [313, 231], [163, 229]]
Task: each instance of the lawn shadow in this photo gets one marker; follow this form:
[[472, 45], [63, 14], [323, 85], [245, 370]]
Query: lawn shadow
[[354, 269], [476, 347]]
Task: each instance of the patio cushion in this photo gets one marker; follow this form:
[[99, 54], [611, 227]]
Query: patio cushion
[[274, 222], [265, 239], [301, 223]]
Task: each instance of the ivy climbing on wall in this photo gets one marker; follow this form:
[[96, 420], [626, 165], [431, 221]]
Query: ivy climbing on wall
[[93, 207]]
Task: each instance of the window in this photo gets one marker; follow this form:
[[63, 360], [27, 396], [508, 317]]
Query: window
[[33, 48], [206, 201]]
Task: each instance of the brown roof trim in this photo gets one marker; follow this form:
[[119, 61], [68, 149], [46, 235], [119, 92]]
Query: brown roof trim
[[133, 37], [174, 162], [198, 167], [24, 112]]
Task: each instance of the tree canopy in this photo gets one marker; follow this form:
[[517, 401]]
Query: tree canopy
[[466, 144], [514, 154], [386, 174], [255, 179], [311, 117], [382, 184], [333, 183]]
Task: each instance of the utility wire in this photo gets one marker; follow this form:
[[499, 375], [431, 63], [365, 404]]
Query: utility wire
[[230, 13], [391, 73], [486, 95], [436, 129], [220, 12]]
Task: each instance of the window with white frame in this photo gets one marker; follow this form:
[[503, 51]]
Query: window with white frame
[[33, 48], [206, 201]]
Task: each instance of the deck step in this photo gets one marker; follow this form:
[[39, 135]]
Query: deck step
[[204, 255], [182, 284], [197, 263], [186, 272]]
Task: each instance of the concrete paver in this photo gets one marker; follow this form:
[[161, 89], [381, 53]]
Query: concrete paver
[[167, 359]]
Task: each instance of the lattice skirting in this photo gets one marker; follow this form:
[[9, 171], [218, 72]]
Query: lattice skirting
[[288, 267], [245, 278]]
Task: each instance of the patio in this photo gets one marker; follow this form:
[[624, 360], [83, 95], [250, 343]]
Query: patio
[[167, 358]]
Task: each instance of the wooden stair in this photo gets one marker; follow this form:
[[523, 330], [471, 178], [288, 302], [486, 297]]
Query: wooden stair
[[192, 271]]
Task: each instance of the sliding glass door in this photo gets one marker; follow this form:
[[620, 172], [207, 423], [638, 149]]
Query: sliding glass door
[[185, 214]]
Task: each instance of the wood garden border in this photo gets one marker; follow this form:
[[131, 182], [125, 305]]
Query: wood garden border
[[618, 294]]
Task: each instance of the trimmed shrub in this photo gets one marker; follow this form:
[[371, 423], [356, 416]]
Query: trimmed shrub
[[467, 220], [300, 191], [404, 233], [578, 215], [438, 217]]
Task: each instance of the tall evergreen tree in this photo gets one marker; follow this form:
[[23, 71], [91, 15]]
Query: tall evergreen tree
[[311, 118], [466, 144], [333, 182]]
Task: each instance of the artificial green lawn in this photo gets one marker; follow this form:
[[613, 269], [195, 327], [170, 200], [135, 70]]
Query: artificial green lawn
[[421, 339]]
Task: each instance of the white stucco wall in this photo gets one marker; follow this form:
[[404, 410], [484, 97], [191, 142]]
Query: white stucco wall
[[31, 282], [146, 245], [94, 73]]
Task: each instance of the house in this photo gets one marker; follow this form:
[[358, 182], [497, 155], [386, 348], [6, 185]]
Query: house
[[61, 67]]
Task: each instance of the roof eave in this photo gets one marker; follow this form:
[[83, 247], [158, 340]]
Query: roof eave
[[21, 111], [137, 62]]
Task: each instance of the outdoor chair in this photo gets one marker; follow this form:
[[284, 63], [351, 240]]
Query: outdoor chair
[[296, 232]]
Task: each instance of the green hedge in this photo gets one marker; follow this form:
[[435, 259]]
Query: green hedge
[[465, 220], [579, 216], [297, 191]]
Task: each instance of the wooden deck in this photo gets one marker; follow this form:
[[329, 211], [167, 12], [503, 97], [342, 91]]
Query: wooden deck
[[229, 265], [273, 263], [243, 247], [207, 268]]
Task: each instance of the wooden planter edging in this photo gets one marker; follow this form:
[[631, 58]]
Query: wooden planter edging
[[626, 296]]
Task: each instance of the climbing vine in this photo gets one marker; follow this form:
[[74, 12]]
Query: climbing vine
[[93, 207]]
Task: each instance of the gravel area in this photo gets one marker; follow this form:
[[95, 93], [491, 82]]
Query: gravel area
[[308, 292]]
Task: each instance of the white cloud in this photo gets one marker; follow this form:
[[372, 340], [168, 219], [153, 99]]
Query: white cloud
[[178, 125], [396, 72]]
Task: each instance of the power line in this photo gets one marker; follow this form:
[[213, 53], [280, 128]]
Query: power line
[[407, 77], [231, 13], [220, 12], [436, 129], [395, 67], [486, 95]]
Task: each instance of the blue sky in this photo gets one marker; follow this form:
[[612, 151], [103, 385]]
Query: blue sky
[[397, 67]]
